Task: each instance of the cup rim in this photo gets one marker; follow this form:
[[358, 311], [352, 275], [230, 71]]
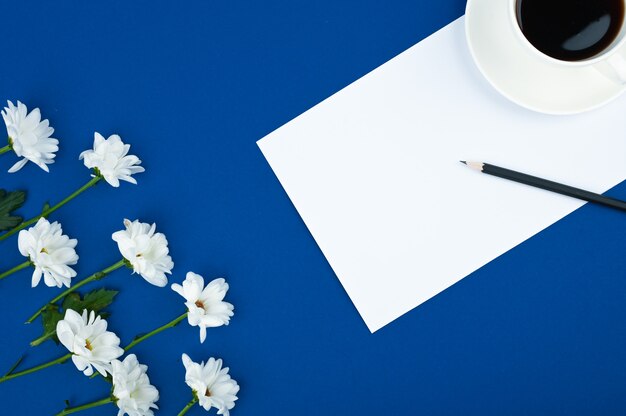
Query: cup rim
[[584, 62]]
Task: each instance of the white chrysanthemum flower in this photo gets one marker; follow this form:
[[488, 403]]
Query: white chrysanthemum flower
[[29, 136], [50, 251], [87, 338], [211, 384], [134, 395], [145, 250], [206, 305], [111, 159]]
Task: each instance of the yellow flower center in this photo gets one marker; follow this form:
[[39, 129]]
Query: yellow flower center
[[88, 345], [207, 393], [43, 250], [199, 304]]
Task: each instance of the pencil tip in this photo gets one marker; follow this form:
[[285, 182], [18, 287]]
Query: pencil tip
[[474, 165]]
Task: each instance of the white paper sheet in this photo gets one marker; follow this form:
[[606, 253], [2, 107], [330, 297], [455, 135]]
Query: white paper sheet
[[374, 172]]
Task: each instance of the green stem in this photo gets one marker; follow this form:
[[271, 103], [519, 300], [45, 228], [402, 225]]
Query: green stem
[[15, 269], [70, 410], [43, 338], [5, 149], [189, 406], [170, 324], [50, 210], [59, 360], [93, 277]]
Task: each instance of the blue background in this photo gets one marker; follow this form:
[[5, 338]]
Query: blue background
[[192, 86]]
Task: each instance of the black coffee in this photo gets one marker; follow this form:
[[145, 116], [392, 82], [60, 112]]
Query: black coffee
[[570, 30]]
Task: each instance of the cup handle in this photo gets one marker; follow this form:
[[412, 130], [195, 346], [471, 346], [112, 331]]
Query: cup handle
[[614, 67]]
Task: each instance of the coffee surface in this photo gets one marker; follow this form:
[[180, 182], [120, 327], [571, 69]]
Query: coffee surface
[[571, 30]]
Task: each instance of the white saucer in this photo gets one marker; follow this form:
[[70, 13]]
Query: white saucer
[[523, 77]]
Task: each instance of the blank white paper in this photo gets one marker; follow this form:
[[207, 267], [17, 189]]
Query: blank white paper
[[374, 172]]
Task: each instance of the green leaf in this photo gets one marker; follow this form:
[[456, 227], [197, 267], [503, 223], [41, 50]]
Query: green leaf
[[99, 299], [9, 202], [50, 317], [73, 301], [95, 300]]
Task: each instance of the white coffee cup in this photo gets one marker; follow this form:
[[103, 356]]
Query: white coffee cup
[[611, 61]]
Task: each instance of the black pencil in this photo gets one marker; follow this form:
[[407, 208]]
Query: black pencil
[[546, 184]]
